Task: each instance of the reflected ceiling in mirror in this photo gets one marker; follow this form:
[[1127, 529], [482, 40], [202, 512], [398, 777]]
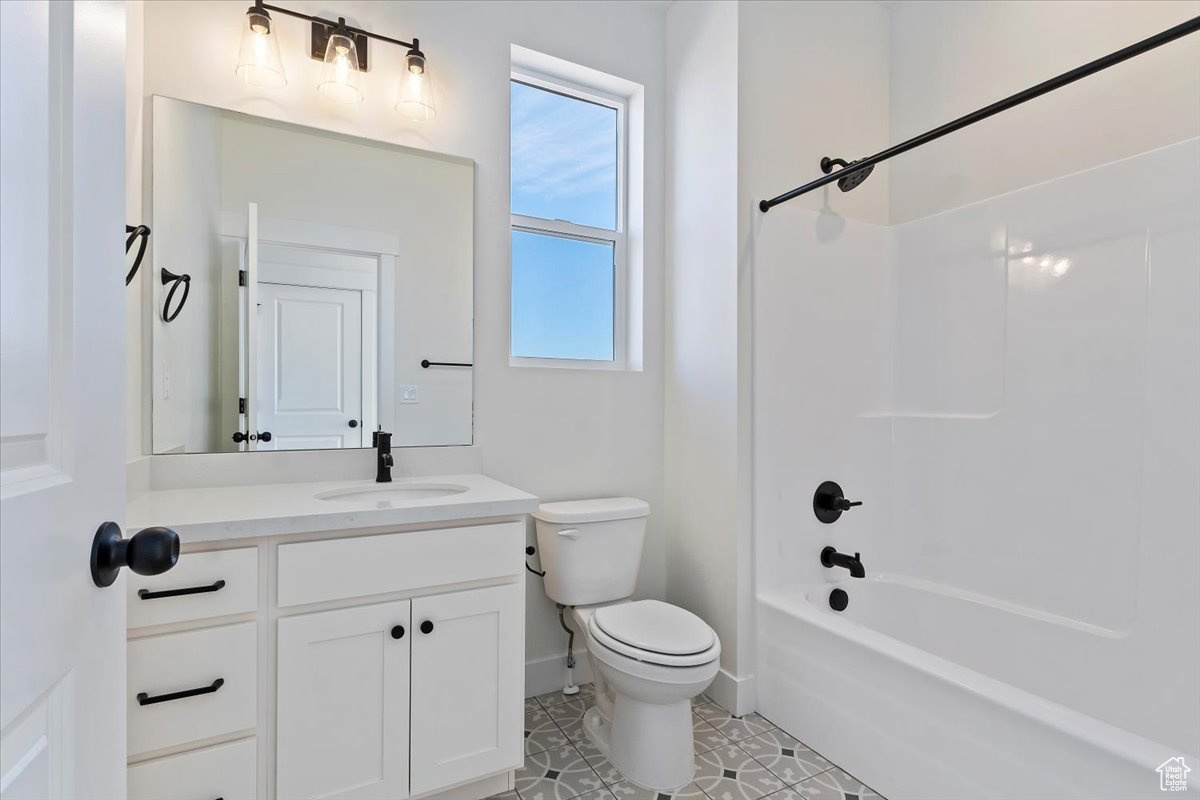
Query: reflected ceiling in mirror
[[322, 271]]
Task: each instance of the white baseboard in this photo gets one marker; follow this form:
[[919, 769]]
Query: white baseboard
[[734, 694], [549, 674]]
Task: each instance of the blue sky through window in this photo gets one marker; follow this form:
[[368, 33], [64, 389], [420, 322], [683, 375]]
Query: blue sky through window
[[563, 167], [562, 297], [564, 158]]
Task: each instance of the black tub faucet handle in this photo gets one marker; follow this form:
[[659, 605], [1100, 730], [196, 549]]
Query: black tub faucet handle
[[829, 502]]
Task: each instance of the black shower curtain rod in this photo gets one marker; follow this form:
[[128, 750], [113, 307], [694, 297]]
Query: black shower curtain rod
[[1091, 68]]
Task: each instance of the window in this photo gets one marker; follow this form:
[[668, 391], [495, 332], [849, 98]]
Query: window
[[567, 168]]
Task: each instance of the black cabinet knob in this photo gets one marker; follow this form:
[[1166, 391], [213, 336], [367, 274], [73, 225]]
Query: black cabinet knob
[[265, 436], [353, 423], [239, 437], [151, 551], [427, 626], [397, 631]]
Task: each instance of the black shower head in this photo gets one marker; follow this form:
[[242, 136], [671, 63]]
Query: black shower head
[[850, 181]]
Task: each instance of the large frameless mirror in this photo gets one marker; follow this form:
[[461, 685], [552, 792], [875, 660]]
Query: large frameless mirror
[[318, 287]]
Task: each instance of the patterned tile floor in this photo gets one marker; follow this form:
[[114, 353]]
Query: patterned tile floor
[[745, 758]]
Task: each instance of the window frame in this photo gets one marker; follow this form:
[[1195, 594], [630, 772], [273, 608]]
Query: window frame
[[617, 237]]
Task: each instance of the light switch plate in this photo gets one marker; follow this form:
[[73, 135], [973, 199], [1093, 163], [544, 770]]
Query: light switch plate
[[409, 394]]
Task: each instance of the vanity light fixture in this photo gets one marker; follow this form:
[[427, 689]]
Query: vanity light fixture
[[339, 75], [343, 50], [259, 63], [415, 100]]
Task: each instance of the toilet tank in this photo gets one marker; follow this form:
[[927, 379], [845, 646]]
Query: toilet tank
[[591, 549]]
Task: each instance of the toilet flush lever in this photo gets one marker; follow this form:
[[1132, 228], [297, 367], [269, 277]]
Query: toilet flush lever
[[569, 533]]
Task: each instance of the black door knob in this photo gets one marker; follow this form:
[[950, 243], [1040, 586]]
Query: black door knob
[[239, 437], [397, 631], [265, 436], [353, 423], [427, 626], [151, 551]]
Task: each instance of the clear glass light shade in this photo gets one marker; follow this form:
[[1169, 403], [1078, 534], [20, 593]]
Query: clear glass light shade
[[340, 75], [415, 100], [259, 63]]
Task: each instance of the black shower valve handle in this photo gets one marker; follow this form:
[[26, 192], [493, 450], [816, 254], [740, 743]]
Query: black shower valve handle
[[829, 502]]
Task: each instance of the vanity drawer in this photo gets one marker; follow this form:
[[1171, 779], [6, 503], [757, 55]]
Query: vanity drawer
[[161, 666], [335, 569], [201, 585], [228, 771]]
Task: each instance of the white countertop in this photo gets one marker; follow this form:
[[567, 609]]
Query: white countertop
[[242, 512]]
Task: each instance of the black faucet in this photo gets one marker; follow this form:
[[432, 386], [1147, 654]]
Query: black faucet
[[830, 557], [382, 441]]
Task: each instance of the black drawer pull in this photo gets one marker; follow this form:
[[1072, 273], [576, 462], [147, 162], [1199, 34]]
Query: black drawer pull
[[146, 700], [146, 594]]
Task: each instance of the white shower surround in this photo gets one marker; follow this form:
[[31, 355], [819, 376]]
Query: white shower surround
[[1013, 390]]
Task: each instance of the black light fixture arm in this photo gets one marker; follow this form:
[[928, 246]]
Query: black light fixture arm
[[341, 23], [1091, 68]]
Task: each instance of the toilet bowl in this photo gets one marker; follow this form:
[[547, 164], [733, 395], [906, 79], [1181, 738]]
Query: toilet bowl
[[642, 718], [649, 658]]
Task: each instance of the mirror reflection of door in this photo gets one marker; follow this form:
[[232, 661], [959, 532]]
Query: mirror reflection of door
[[316, 348], [309, 367]]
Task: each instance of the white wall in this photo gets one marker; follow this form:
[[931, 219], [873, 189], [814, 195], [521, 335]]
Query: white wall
[[950, 58], [757, 93], [813, 81], [185, 377], [556, 433], [702, 326]]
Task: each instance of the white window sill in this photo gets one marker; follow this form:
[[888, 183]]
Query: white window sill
[[567, 363]]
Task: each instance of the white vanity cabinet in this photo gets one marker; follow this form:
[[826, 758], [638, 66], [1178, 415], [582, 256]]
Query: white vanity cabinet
[[342, 703], [382, 664], [468, 686]]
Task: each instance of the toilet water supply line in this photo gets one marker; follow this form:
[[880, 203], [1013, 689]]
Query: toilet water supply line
[[570, 688]]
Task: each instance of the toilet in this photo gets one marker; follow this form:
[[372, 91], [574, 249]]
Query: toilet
[[649, 658]]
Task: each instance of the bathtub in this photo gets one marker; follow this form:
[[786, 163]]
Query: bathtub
[[915, 690]]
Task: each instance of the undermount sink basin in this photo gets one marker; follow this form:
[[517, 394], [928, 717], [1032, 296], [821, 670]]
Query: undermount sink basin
[[385, 495]]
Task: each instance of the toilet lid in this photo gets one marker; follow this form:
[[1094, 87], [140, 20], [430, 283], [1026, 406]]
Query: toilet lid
[[656, 627]]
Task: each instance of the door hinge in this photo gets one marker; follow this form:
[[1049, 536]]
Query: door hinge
[[241, 277], [241, 405]]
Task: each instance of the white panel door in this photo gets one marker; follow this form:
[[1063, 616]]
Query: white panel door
[[62, 464], [468, 661], [342, 704], [310, 367]]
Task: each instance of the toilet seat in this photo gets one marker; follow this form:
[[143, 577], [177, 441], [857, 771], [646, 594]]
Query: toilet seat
[[654, 632]]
